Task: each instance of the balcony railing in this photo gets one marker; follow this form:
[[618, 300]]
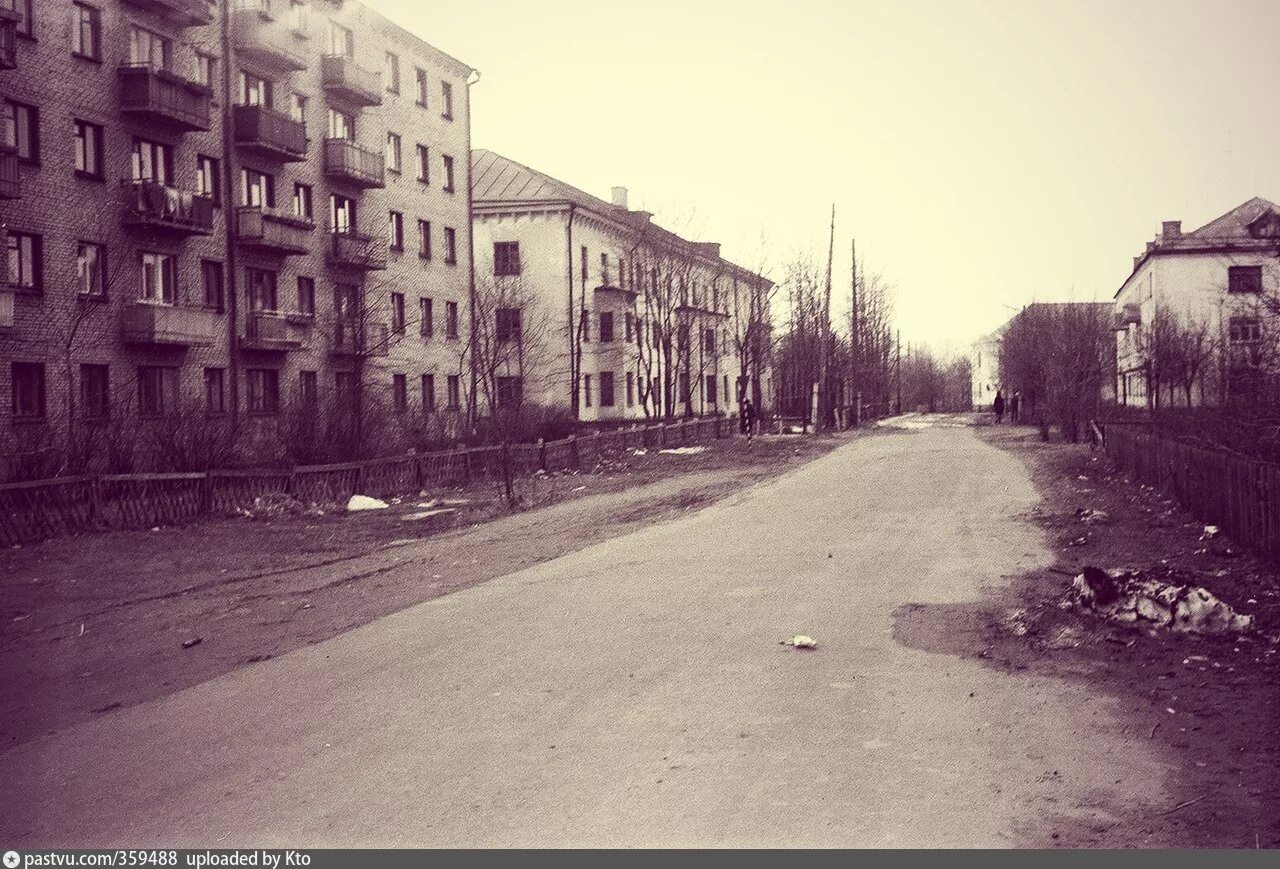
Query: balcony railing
[[151, 205], [6, 308], [164, 99], [356, 251], [9, 18], [344, 160], [184, 13], [10, 177], [270, 133], [342, 78], [271, 230], [267, 41], [168, 325], [349, 339], [273, 331]]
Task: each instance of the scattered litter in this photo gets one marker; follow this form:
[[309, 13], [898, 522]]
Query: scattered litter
[[194, 641], [1125, 596], [1017, 622], [455, 502], [364, 502], [1210, 532], [157, 528], [683, 451], [578, 489], [800, 641], [640, 453], [427, 505], [1089, 516], [1079, 541], [427, 514]]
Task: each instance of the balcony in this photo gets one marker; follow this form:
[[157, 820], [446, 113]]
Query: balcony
[[266, 41], [169, 326], [10, 177], [270, 134], [340, 77], [355, 251], [9, 18], [273, 231], [273, 332], [183, 13], [1126, 316], [154, 206], [6, 308], [349, 339], [344, 160], [163, 99]]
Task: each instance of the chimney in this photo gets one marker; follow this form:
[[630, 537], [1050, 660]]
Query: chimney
[[1137, 261], [620, 197], [1151, 245], [1170, 229]]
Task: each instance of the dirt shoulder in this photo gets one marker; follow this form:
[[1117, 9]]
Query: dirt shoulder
[[96, 623], [1210, 704]]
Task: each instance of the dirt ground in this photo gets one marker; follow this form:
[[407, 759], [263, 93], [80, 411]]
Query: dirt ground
[[1212, 703], [104, 621]]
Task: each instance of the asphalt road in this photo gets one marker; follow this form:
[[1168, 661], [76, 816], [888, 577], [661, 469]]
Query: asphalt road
[[635, 693]]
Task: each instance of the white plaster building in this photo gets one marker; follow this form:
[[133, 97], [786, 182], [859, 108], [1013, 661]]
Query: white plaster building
[[984, 362], [616, 317]]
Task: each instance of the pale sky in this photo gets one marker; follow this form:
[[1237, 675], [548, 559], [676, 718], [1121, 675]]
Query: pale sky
[[984, 154]]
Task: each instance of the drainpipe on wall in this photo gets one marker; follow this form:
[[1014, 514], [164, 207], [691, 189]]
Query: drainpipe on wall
[[574, 362], [472, 79], [229, 215]]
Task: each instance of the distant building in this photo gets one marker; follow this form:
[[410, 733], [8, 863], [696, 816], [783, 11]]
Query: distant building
[[1216, 279], [587, 305], [984, 360]]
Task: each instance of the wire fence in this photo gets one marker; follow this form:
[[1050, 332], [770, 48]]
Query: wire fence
[[1238, 493], [41, 509]]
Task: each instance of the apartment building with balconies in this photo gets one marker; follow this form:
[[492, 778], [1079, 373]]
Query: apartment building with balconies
[[1194, 319], [587, 305], [231, 229]]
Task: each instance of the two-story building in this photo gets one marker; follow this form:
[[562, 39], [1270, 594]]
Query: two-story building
[[597, 309]]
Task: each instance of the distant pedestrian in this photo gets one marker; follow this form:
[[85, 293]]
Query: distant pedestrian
[[749, 417], [998, 407], [1015, 407]]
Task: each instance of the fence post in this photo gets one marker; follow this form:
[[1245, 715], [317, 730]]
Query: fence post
[[95, 496], [542, 453], [506, 474], [662, 434], [466, 466], [360, 478], [206, 493], [573, 451]]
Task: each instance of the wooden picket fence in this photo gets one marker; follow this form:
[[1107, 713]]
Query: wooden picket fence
[[41, 509], [1238, 493]]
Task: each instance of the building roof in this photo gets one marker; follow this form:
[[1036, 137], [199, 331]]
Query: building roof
[[997, 334], [1235, 224]]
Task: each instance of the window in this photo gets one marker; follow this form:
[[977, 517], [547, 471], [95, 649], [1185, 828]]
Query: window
[[604, 268], [391, 72], [27, 131], [506, 258], [448, 174], [257, 189], [95, 392], [27, 21], [450, 246], [1244, 330], [341, 125], [88, 150], [606, 389], [215, 394], [86, 37], [395, 230], [709, 341], [151, 161], [1244, 279], [397, 313], [342, 41], [507, 324], [428, 393], [583, 264], [211, 278], [584, 326], [298, 107], [344, 384], [424, 239], [393, 153], [421, 75], [208, 178], [424, 164], [510, 392], [147, 48], [307, 296], [342, 213], [308, 392], [302, 208], [606, 326], [446, 100], [91, 269], [263, 390], [426, 317], [28, 390], [711, 389], [206, 68], [262, 289], [454, 388], [26, 261], [399, 393], [451, 319], [630, 321], [631, 389], [157, 390], [586, 390], [300, 16]]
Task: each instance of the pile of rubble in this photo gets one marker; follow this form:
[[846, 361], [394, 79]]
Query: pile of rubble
[[1127, 596]]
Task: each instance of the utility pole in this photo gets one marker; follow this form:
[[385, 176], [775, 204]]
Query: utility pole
[[855, 358], [820, 397]]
